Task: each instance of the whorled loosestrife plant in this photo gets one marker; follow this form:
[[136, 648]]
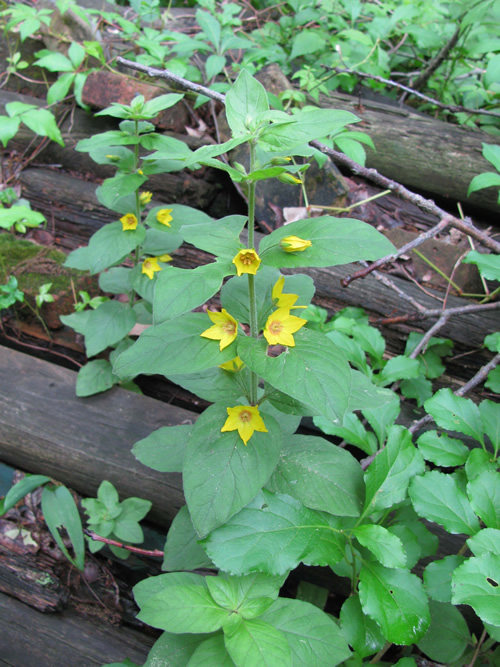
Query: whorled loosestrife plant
[[261, 498]]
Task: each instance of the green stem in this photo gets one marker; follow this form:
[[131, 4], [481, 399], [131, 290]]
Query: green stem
[[252, 302]]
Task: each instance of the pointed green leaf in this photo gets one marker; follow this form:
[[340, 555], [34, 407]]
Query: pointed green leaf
[[319, 474], [245, 100], [352, 431], [437, 576], [215, 384], [484, 496], [440, 449], [221, 237], [8, 129], [396, 600], [448, 635], [386, 547], [43, 123], [477, 583], [163, 449], [256, 643], [210, 652], [490, 416], [182, 551], [96, 376], [174, 650], [398, 368], [272, 535], [438, 497], [149, 587], [21, 489], [361, 632], [110, 245], [62, 518], [334, 241], [249, 596], [221, 475], [455, 413], [478, 461], [486, 541], [119, 186]]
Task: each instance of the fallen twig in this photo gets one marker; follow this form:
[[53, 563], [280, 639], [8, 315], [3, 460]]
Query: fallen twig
[[439, 312], [137, 550]]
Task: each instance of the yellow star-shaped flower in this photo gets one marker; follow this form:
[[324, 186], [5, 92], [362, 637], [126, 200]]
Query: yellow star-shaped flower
[[246, 261], [295, 244], [129, 221], [150, 265], [145, 198], [283, 300], [163, 216], [225, 328], [280, 326], [233, 365], [245, 419]]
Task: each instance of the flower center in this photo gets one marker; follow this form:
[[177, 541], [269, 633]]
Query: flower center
[[276, 327], [247, 258], [229, 328], [245, 416]]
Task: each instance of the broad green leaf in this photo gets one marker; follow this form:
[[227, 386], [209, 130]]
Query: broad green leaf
[[486, 541], [153, 107], [174, 347], [398, 368], [272, 535], [174, 650], [60, 88], [488, 265], [214, 65], [21, 489], [381, 418], [440, 449], [96, 376], [351, 348], [484, 497], [491, 152], [110, 245], [418, 388], [221, 238], [117, 280], [149, 587], [437, 576], [306, 42], [362, 633], [371, 340], [488, 179], [478, 461], [215, 384], [320, 475], [8, 129], [455, 413], [163, 449], [20, 213], [55, 62], [134, 509], [161, 241], [493, 381], [249, 596], [396, 600], [490, 416], [352, 431], [119, 186], [477, 583], [314, 638], [183, 608], [448, 635], [103, 327], [221, 475], [334, 241], [438, 497], [389, 474], [386, 547], [43, 123], [255, 643], [182, 216], [61, 514], [78, 259], [182, 551], [180, 290], [245, 100], [210, 652]]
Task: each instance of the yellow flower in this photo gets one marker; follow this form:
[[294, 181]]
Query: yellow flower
[[129, 221], [145, 198], [139, 171], [164, 258], [225, 328], [245, 419], [284, 300], [285, 177], [232, 365], [246, 261], [294, 244], [163, 216], [150, 266], [280, 326]]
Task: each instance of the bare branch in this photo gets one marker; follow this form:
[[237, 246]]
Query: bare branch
[[437, 60], [143, 552], [439, 312]]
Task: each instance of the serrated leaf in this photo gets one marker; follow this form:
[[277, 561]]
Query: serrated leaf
[[221, 475], [182, 551], [486, 541], [448, 635], [437, 577], [455, 413], [352, 431], [163, 449], [334, 241], [319, 474], [386, 547], [438, 497], [362, 633], [382, 417], [255, 643], [477, 583], [484, 497], [272, 535], [395, 599], [442, 450]]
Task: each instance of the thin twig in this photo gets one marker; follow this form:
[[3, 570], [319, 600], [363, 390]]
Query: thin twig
[[455, 108], [437, 60], [438, 312], [381, 277], [143, 552]]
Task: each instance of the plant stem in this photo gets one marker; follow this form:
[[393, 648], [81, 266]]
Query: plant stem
[[252, 302], [478, 649]]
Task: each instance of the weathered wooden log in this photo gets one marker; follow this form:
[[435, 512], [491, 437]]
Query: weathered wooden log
[[33, 639]]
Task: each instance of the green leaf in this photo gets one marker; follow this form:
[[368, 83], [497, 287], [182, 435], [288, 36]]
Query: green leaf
[[60, 512], [273, 534], [334, 241], [174, 650], [221, 475], [182, 551], [153, 107], [78, 259], [448, 635], [488, 179], [149, 587], [55, 62], [180, 290], [96, 376], [488, 265], [60, 88], [493, 381], [386, 547], [245, 100], [398, 368], [134, 509], [214, 65], [248, 596], [8, 128], [21, 489], [43, 123], [19, 213], [371, 341], [215, 384], [477, 583], [103, 327], [440, 449], [116, 188], [486, 541], [352, 431], [491, 152], [255, 643], [110, 245], [418, 388], [484, 496], [396, 600], [221, 237], [361, 632], [210, 652], [382, 418], [210, 26], [163, 449], [306, 42], [117, 280], [389, 474], [172, 348], [438, 497], [490, 416], [320, 475], [455, 413], [437, 576], [183, 608]]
